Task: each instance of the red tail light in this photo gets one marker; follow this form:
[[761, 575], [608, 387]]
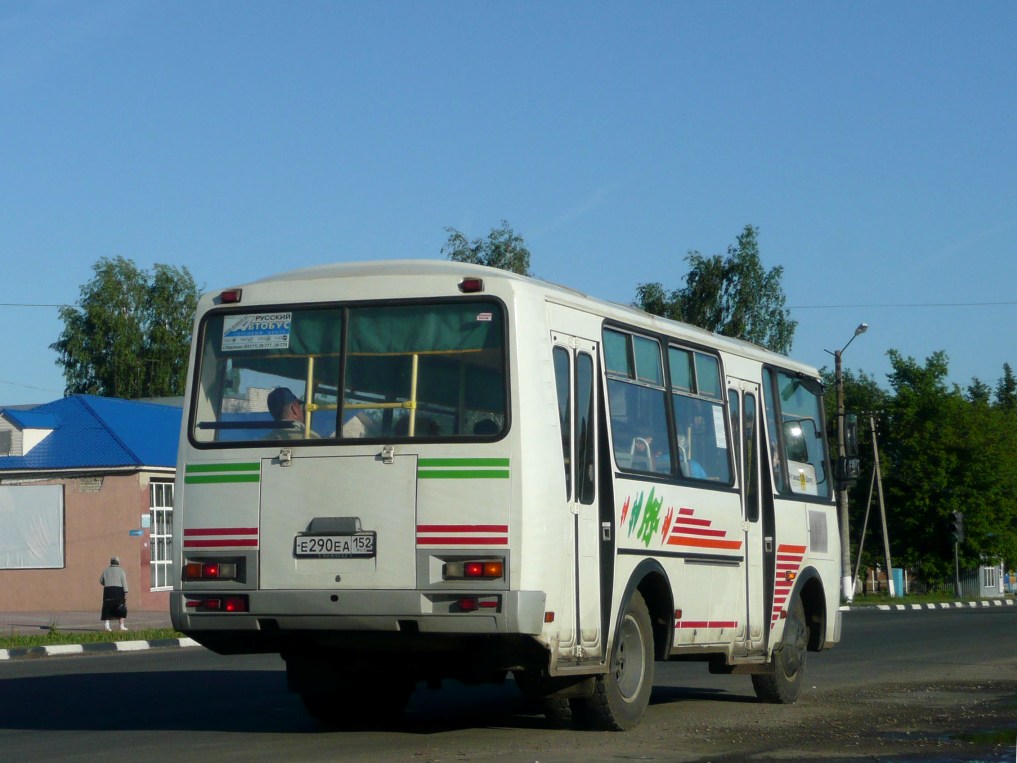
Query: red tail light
[[218, 604], [474, 569], [210, 570]]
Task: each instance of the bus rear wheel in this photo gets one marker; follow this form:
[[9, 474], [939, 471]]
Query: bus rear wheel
[[782, 683], [621, 696]]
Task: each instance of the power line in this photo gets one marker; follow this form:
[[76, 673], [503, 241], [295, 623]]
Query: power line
[[912, 304], [27, 304]]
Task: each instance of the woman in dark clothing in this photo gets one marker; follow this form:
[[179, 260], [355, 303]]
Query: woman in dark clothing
[[114, 593]]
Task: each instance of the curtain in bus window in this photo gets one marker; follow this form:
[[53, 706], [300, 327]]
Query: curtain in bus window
[[425, 328], [245, 356], [426, 369], [279, 342]]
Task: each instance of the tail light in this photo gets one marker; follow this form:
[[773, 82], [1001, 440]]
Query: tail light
[[218, 604], [210, 570], [477, 603], [474, 569]]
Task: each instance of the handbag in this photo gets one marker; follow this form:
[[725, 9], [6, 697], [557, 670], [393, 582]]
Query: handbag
[[122, 609]]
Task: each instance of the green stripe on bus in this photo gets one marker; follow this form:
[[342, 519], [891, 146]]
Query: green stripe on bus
[[427, 462], [252, 466], [462, 474], [200, 479]]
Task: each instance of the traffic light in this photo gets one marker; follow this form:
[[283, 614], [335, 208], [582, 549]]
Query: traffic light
[[957, 526]]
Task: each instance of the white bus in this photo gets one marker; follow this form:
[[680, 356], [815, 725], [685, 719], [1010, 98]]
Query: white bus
[[402, 472]]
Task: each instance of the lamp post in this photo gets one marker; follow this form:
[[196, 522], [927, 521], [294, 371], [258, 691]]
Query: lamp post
[[848, 589]]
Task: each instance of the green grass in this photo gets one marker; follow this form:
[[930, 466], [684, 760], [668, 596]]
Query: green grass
[[933, 597], [54, 637]]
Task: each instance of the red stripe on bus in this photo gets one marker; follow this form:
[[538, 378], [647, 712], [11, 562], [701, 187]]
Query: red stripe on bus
[[461, 540], [696, 522], [462, 528], [685, 624], [237, 543], [221, 531], [699, 531], [684, 540]]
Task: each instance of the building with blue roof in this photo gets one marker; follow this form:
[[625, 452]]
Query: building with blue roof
[[82, 479]]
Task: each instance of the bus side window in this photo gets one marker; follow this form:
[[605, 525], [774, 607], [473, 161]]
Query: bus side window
[[563, 386], [776, 456], [637, 403], [700, 423]]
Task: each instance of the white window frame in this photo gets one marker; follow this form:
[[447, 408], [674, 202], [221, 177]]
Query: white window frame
[[160, 541]]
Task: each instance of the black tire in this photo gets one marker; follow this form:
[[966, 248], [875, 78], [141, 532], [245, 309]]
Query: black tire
[[620, 697], [783, 682]]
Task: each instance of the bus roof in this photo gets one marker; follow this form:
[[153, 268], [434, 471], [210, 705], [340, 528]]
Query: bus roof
[[554, 292]]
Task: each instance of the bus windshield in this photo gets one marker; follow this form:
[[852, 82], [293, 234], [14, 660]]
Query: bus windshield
[[387, 371]]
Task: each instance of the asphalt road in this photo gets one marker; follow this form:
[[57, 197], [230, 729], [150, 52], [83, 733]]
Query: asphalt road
[[935, 685]]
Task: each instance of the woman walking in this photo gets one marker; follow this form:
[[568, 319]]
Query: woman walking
[[114, 593]]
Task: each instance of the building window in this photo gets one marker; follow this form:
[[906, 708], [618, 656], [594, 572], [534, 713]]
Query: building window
[[161, 540]]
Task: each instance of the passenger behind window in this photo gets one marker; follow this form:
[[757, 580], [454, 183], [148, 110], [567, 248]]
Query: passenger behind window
[[689, 466]]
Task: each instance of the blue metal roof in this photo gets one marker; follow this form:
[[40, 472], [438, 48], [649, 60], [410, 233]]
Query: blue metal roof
[[31, 419], [92, 432]]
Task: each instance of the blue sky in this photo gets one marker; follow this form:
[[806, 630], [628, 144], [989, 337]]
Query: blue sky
[[874, 145]]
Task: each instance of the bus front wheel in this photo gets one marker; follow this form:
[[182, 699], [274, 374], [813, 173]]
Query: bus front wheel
[[782, 683], [620, 697]]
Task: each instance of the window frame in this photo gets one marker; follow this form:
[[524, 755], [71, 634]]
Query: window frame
[[344, 308]]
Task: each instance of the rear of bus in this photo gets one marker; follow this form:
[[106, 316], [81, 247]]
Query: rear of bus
[[344, 484]]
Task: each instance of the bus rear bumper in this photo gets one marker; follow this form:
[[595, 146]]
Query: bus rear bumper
[[417, 612]]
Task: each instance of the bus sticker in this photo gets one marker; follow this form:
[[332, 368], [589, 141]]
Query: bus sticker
[[262, 331]]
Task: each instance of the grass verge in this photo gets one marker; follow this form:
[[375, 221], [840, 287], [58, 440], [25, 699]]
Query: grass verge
[[873, 599], [56, 637]]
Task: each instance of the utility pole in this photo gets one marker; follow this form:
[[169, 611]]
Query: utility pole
[[882, 507], [847, 583], [957, 529]]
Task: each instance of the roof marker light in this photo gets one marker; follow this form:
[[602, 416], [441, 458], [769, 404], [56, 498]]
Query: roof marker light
[[231, 296], [471, 285]]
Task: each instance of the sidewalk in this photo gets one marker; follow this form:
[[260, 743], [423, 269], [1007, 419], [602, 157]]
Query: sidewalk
[[38, 623]]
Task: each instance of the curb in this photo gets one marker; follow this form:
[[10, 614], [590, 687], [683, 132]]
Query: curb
[[943, 605], [61, 650]]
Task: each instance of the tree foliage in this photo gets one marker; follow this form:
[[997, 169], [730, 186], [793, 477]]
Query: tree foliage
[[503, 248], [730, 295], [940, 452], [129, 335]]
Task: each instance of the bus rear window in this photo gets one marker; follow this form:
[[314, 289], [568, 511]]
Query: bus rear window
[[421, 370]]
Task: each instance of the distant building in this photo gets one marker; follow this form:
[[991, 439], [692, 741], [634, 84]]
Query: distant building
[[82, 479]]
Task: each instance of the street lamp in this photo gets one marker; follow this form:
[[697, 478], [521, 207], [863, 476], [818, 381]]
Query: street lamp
[[848, 589]]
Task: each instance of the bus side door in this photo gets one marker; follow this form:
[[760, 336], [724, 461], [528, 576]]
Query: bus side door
[[743, 398], [575, 369]]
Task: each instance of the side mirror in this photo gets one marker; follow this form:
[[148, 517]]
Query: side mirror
[[846, 471], [850, 435]]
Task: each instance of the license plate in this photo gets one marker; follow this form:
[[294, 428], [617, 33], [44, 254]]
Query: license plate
[[361, 545]]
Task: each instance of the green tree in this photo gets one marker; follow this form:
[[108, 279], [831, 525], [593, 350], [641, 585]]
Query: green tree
[[731, 295], [130, 332], [1006, 390], [503, 248]]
